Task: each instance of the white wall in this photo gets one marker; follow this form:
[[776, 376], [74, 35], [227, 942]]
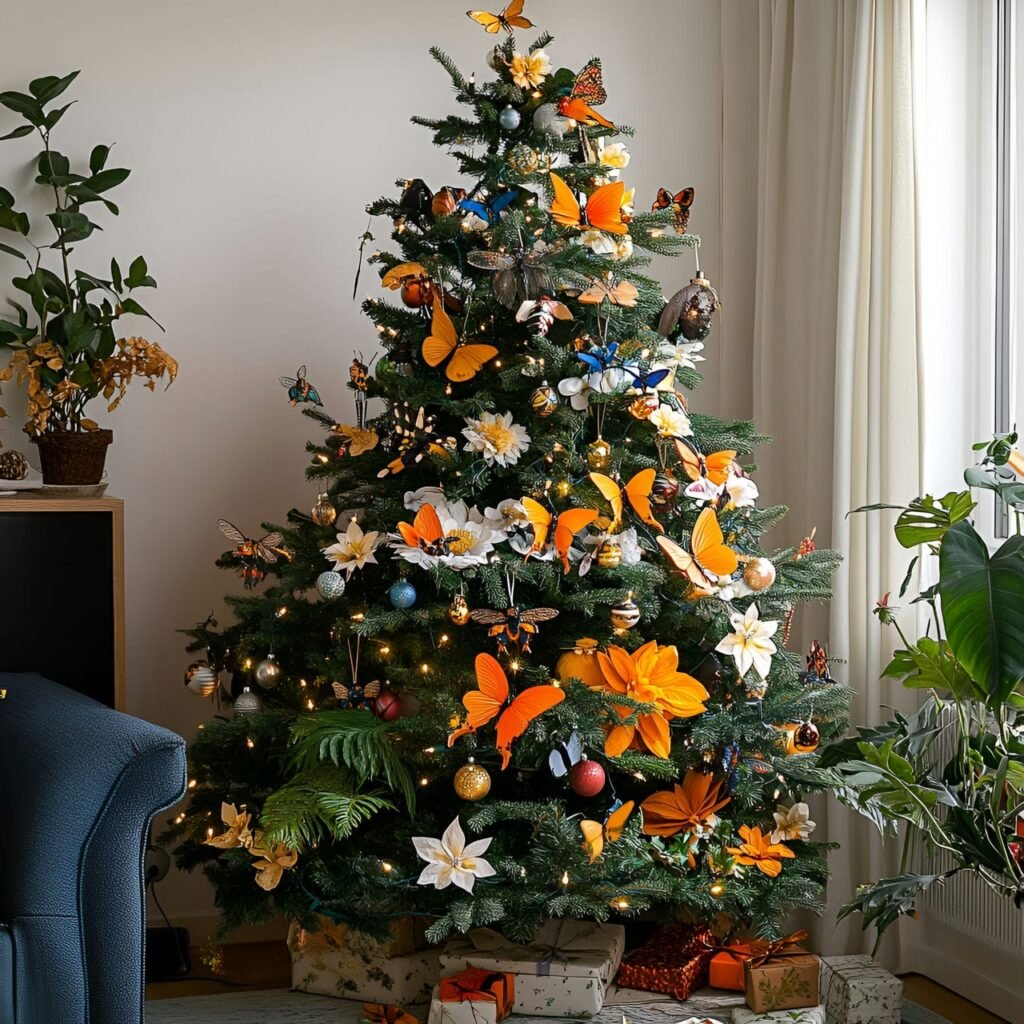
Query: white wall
[[257, 131]]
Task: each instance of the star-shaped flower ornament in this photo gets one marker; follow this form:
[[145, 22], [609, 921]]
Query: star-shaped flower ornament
[[750, 643], [451, 860]]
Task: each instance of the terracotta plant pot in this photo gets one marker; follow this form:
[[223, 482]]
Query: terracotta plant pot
[[69, 458]]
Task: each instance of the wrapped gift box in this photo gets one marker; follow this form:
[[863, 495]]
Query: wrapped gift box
[[786, 979], [726, 967], [324, 965], [674, 960], [473, 996], [564, 972], [805, 1015], [857, 990]]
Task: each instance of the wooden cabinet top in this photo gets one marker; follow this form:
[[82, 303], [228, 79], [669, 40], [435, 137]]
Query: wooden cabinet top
[[40, 501]]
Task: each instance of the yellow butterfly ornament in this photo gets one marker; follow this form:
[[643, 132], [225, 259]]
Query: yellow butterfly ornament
[[510, 18], [464, 361], [595, 833]]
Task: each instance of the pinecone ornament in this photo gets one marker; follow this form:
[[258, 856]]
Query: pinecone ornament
[[13, 465]]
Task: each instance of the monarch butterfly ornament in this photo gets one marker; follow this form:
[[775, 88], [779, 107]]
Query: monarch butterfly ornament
[[709, 558], [491, 700], [299, 389], [464, 361], [587, 92], [253, 554], [510, 18], [679, 203]]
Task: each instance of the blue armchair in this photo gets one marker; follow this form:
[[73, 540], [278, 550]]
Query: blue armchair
[[79, 785]]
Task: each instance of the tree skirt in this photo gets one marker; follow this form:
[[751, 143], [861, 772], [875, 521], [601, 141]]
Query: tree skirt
[[280, 1006]]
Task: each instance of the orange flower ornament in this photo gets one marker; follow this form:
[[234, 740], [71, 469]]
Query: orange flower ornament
[[690, 807], [757, 850]]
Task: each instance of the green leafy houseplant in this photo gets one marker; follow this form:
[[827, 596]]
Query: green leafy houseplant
[[65, 343], [952, 773]]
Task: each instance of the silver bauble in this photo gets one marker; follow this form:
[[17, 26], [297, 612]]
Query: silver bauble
[[247, 703]]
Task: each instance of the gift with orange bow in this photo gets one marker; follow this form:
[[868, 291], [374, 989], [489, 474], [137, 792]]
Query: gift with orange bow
[[781, 975], [473, 996], [726, 967]]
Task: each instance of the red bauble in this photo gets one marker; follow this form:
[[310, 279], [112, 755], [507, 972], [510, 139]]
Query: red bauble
[[586, 778], [388, 706]]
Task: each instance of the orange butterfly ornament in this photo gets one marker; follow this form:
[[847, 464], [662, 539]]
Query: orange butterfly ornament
[[595, 833], [568, 524], [486, 703], [510, 18], [709, 557], [622, 293], [637, 492], [587, 92], [716, 466], [603, 210], [464, 361], [426, 532]]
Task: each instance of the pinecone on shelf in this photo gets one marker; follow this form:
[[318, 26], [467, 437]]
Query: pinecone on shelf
[[13, 465]]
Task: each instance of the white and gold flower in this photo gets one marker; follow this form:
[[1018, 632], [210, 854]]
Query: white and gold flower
[[530, 69], [743, 492], [670, 422], [497, 438], [750, 643], [353, 549], [618, 247], [792, 823], [451, 860], [612, 155]]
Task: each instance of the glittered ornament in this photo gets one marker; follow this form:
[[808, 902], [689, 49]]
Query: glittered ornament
[[330, 585], [458, 610], [625, 614], [609, 555], [13, 465], [524, 159], [644, 406], [472, 782], [509, 118], [759, 574], [247, 703], [806, 738], [388, 706], [544, 399], [699, 302], [599, 454], [323, 513], [417, 292], [201, 679], [402, 594], [587, 778], [664, 490], [268, 672]]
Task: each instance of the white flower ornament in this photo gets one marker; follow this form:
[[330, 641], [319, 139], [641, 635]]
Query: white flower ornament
[[750, 643], [792, 823], [451, 860]]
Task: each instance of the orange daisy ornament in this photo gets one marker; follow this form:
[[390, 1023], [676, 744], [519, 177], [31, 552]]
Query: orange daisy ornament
[[757, 850], [649, 675]]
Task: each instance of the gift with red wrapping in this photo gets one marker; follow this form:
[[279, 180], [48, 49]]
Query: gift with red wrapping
[[674, 960]]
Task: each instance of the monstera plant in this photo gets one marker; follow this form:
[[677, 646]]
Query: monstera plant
[[951, 775], [64, 332]]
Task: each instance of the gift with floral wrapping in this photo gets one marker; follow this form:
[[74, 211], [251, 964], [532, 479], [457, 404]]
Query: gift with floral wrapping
[[858, 990], [782, 975], [564, 972], [805, 1015]]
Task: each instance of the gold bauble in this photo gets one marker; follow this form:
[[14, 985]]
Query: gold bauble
[[609, 555], [625, 614], [458, 610], [599, 454], [544, 400], [644, 407], [759, 574], [524, 159], [472, 782], [324, 513], [580, 662]]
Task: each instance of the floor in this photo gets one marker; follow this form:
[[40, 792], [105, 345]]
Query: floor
[[262, 965]]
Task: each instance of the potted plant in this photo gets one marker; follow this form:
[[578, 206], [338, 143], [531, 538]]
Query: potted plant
[[64, 334], [962, 797]]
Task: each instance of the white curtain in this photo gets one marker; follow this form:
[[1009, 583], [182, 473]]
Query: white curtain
[[836, 347]]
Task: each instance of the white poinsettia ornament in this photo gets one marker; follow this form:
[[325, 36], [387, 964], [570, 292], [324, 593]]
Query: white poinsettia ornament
[[451, 860], [750, 643], [353, 549], [792, 823]]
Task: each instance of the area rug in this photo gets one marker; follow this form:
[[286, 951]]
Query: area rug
[[280, 1006]]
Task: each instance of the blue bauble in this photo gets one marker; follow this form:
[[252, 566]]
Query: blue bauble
[[330, 584], [509, 118], [402, 594]]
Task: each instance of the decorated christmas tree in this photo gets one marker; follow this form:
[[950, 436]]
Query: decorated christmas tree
[[525, 658]]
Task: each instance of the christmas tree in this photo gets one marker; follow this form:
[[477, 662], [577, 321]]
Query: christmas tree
[[525, 657]]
